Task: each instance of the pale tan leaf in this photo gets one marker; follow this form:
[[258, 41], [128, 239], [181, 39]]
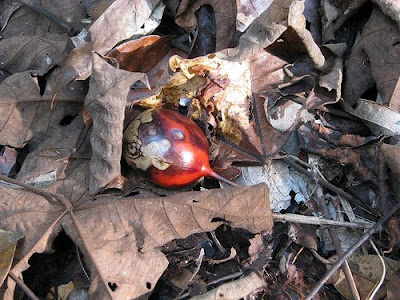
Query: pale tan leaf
[[237, 289]]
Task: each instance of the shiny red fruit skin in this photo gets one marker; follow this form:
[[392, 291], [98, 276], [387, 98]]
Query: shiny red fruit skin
[[182, 144]]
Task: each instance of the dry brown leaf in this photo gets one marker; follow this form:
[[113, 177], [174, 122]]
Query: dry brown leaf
[[394, 102], [7, 8], [248, 10], [26, 21], [335, 14], [95, 8], [225, 17], [390, 8], [304, 235], [377, 54], [141, 55], [106, 102], [20, 105], [262, 32], [121, 237], [118, 23], [392, 157], [22, 53]]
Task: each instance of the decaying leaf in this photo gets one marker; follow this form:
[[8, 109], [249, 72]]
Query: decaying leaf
[[367, 271], [8, 243], [283, 183]]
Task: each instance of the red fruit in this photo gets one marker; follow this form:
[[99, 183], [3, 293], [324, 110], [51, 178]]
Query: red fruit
[[169, 147]]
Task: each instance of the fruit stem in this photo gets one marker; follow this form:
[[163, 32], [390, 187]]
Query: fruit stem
[[223, 179]]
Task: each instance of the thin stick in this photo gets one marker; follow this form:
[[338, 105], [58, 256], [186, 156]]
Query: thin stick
[[48, 196], [23, 286], [351, 250], [223, 179], [318, 221], [338, 247]]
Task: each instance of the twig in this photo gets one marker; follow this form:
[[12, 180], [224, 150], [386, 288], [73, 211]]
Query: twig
[[81, 263], [48, 196], [217, 281], [338, 247], [318, 221], [199, 261], [379, 284], [23, 286], [218, 243], [330, 186], [351, 250]]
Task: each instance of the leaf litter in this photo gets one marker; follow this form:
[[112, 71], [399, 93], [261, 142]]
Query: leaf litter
[[267, 92]]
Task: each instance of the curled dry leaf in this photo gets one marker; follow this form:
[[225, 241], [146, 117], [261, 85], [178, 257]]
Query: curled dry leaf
[[105, 102], [116, 24], [380, 119], [270, 25], [312, 143], [225, 17], [141, 55], [337, 138]]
